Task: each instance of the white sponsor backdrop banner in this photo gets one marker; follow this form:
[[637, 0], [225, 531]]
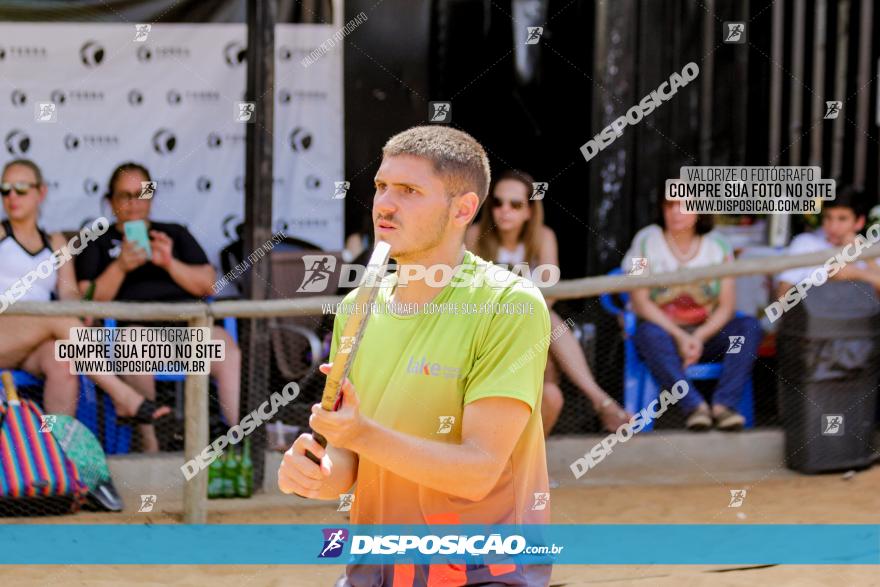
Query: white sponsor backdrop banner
[[172, 103]]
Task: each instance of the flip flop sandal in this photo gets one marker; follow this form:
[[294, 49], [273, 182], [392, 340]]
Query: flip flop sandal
[[144, 414]]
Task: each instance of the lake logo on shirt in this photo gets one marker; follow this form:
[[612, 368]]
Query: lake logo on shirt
[[426, 367]]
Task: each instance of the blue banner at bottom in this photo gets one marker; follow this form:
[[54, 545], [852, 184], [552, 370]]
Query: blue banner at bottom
[[262, 544]]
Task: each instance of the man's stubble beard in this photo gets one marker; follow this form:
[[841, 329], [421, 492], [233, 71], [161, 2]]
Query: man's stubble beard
[[439, 234]]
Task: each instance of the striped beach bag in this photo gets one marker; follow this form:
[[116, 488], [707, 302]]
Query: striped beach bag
[[36, 478]]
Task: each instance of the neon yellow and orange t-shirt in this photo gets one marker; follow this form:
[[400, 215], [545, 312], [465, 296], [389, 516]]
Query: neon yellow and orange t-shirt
[[415, 373]]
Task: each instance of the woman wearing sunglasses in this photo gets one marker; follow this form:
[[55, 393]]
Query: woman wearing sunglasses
[[513, 233], [28, 342]]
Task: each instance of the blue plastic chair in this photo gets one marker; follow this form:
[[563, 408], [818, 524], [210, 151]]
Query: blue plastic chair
[[121, 433], [639, 386]]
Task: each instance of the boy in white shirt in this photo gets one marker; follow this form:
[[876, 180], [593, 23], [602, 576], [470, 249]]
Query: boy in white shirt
[[842, 219]]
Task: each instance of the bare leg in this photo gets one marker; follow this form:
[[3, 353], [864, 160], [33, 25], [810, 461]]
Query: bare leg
[[227, 373], [21, 335], [570, 358], [61, 388], [552, 399]]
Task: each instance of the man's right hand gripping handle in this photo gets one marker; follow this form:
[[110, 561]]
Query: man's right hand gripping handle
[[298, 474]]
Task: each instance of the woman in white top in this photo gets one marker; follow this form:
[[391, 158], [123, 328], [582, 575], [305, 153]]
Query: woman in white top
[[680, 325], [28, 342], [513, 233]]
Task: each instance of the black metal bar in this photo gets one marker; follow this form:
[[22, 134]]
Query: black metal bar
[[611, 178], [261, 16]]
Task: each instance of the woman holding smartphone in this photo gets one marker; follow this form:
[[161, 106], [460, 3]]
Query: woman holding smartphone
[[140, 260], [28, 342]]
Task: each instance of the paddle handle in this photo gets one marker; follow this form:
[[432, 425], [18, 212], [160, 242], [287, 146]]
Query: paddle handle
[[320, 440]]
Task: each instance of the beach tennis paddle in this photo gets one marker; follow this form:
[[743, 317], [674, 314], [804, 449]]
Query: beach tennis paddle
[[81, 447], [352, 333]]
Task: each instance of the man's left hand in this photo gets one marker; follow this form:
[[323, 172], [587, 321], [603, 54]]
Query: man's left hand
[[341, 427]]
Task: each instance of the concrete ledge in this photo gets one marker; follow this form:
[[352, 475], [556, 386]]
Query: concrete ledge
[[656, 458], [673, 457]]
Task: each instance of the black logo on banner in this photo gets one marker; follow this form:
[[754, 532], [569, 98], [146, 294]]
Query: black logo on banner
[[175, 97], [61, 97], [285, 53], [91, 187], [229, 227], [300, 139], [17, 142], [73, 142], [238, 182], [22, 52], [235, 53], [203, 184], [91, 53], [58, 97], [164, 184], [135, 98], [19, 98], [307, 222], [145, 53], [216, 140], [164, 141], [285, 96], [313, 182]]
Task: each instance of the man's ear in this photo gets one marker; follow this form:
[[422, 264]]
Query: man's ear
[[465, 208]]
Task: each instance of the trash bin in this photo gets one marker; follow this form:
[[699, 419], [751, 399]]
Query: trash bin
[[828, 372]]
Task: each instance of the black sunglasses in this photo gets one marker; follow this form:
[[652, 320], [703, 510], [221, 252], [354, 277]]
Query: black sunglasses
[[498, 203], [21, 188]]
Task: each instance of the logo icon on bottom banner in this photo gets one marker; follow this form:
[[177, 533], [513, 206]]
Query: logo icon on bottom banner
[[334, 541]]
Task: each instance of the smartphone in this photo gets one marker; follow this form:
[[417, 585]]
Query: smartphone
[[136, 232]]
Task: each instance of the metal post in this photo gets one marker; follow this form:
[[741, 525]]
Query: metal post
[[780, 224], [707, 76], [261, 18], [864, 93], [797, 66], [818, 103], [195, 491], [611, 171], [838, 127]]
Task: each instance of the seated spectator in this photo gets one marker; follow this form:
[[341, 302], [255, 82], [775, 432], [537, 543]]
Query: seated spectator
[[842, 219], [514, 233], [178, 271], [684, 324], [359, 244], [28, 342]]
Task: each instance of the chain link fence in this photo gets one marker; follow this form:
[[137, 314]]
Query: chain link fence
[[819, 361]]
